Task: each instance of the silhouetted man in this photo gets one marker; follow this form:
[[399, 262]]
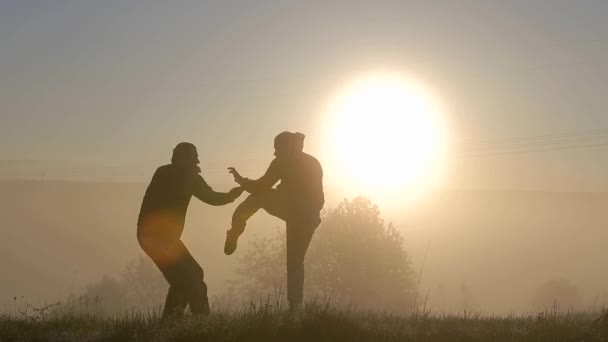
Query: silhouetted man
[[160, 226], [297, 200]]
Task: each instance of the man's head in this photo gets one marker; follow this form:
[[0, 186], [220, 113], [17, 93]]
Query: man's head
[[288, 145], [185, 155]]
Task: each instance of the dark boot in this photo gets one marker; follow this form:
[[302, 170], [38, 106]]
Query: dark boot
[[232, 237]]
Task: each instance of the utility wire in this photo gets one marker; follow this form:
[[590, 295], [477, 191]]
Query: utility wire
[[472, 149], [541, 143], [491, 153], [545, 141], [528, 138]]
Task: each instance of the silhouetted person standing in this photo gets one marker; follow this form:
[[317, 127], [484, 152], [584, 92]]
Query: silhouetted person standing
[[297, 200], [161, 222]]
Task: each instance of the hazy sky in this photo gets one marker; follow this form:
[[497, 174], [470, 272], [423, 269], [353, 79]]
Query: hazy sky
[[105, 89]]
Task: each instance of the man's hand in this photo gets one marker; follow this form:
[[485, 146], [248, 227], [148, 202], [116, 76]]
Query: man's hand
[[234, 193], [237, 176]]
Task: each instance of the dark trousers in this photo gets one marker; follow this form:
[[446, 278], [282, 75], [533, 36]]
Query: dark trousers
[[300, 229], [184, 275]]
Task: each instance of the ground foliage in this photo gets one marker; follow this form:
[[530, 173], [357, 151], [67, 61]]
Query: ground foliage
[[318, 321]]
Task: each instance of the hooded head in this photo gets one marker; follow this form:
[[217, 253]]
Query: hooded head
[[288, 145], [185, 156]]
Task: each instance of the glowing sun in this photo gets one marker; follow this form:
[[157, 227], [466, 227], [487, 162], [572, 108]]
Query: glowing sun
[[385, 135]]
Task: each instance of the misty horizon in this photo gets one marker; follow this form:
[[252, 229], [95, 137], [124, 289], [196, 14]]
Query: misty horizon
[[480, 220], [445, 162]]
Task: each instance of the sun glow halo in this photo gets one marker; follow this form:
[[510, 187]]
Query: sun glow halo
[[386, 136]]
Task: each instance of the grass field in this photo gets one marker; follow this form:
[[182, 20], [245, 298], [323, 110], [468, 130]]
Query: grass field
[[314, 323]]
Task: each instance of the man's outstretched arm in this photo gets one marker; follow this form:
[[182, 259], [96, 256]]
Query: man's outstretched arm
[[202, 191], [267, 181]]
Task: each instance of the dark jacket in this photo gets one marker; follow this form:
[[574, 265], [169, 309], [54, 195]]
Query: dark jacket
[[301, 182], [169, 194]]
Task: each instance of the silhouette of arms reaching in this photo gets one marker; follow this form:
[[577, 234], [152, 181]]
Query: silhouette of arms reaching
[[202, 191], [267, 181]]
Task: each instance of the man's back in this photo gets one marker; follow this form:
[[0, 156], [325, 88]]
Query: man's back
[[168, 193], [302, 178]]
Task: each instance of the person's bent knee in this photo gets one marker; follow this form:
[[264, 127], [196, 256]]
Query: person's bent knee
[[197, 273], [148, 245], [245, 210], [254, 200]]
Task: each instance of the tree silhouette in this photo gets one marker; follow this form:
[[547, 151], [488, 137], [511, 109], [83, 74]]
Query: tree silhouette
[[557, 295], [108, 293], [143, 285], [139, 287], [354, 259]]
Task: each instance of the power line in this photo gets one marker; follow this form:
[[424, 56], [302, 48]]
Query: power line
[[537, 144], [489, 154], [532, 143], [472, 149], [531, 138]]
